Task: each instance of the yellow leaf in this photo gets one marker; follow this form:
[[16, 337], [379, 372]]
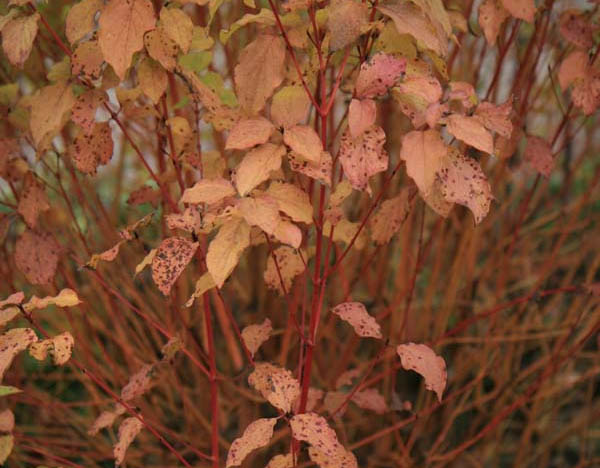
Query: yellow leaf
[[12, 343], [60, 347], [248, 133], [178, 27], [50, 108], [256, 435], [17, 38], [303, 140], [204, 283], [128, 430], [259, 72], [292, 200], [65, 298], [122, 26], [256, 167], [260, 211], [6, 446], [208, 191], [290, 106], [80, 19], [152, 79], [225, 250]]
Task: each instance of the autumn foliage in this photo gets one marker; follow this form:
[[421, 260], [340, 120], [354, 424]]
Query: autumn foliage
[[306, 233]]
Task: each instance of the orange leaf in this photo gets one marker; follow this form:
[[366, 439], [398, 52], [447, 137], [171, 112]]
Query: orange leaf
[[539, 155], [225, 250], [361, 116], [17, 38], [471, 131], [124, 23], [255, 335], [256, 167], [36, 256], [33, 200], [248, 133], [491, 16], [12, 343]]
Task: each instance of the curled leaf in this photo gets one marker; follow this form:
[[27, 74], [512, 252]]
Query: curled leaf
[[255, 335], [356, 315], [256, 435], [128, 430], [423, 360]]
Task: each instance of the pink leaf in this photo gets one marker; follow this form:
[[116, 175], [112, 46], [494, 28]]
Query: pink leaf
[[376, 76], [361, 115], [356, 315], [423, 360]]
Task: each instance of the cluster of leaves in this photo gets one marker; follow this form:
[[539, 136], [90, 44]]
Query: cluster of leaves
[[244, 144]]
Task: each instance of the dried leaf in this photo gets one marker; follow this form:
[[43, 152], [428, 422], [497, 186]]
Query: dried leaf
[[290, 106], [343, 459], [65, 298], [50, 107], [538, 154], [261, 211], [60, 347], [320, 171], [363, 157], [471, 131], [345, 21], [292, 201], [6, 446], [138, 383], [225, 250], [80, 19], [208, 191], [8, 390], [152, 79], [90, 150], [257, 435], [84, 110], [189, 221], [255, 335], [575, 28], [290, 265], [522, 9], [147, 260], [7, 421], [204, 283], [12, 343], [248, 133], [410, 19], [423, 360], [573, 67], [106, 419], [496, 118], [304, 141], [370, 399], [13, 299], [427, 88], [357, 316], [36, 256], [281, 461], [170, 260], [464, 182], [106, 256], [178, 27], [17, 38], [87, 60], [288, 233], [33, 200], [361, 116], [378, 75], [259, 72], [124, 23], [277, 385], [161, 48], [389, 218], [313, 429], [128, 430], [256, 167], [491, 16]]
